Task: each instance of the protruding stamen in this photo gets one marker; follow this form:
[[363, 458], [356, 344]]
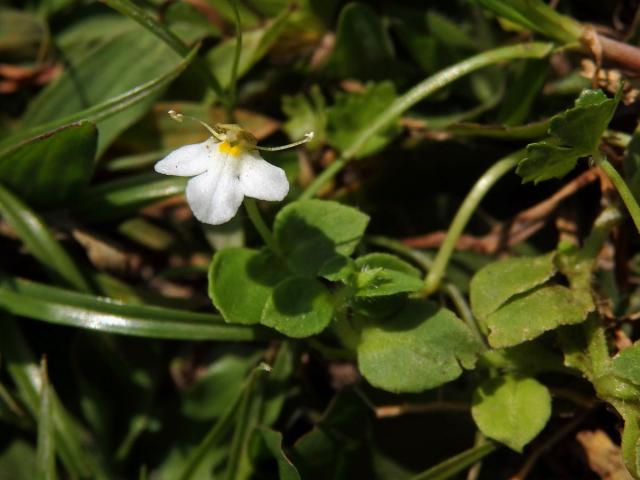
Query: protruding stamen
[[179, 117], [307, 138]]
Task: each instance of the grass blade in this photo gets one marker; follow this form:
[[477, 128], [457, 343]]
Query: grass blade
[[457, 463], [40, 241], [64, 307], [46, 459]]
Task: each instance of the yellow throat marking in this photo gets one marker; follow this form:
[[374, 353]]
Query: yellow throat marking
[[233, 150]]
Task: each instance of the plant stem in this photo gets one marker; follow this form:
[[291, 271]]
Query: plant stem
[[471, 202], [231, 93], [323, 178], [421, 91], [622, 187], [261, 226]]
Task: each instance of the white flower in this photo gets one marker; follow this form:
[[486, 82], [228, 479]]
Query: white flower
[[225, 169]]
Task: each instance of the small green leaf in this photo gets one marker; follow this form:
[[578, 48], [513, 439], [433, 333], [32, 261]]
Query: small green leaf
[[627, 364], [495, 283], [352, 113], [241, 281], [270, 442], [306, 113], [530, 314], [381, 274], [299, 307], [420, 347], [338, 269], [49, 170], [511, 410], [574, 133], [312, 232]]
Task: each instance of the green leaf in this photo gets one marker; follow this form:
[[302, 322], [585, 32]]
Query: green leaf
[[49, 170], [381, 274], [125, 196], [298, 307], [574, 133], [530, 314], [511, 410], [46, 458], [271, 441], [17, 460], [352, 113], [55, 305], [241, 281], [40, 241], [627, 364], [312, 232], [363, 48], [114, 67], [448, 468], [420, 347], [497, 282]]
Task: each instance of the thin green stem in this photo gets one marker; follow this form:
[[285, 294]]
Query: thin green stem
[[231, 93], [421, 91], [261, 226], [623, 189], [471, 202], [322, 179]]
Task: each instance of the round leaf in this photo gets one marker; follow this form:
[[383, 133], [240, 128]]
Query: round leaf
[[299, 307], [421, 347], [241, 281], [511, 410]]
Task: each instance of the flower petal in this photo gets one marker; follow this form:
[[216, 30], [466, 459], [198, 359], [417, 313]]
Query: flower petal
[[259, 179], [215, 196], [189, 160]]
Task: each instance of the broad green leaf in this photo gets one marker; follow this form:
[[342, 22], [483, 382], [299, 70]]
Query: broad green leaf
[[312, 232], [627, 364], [241, 281], [530, 314], [99, 112], [363, 48], [511, 410], [306, 113], [46, 458], [40, 241], [496, 283], [420, 347], [574, 133], [381, 274], [352, 113], [55, 305], [113, 68], [123, 197], [298, 307], [270, 441], [255, 45], [50, 170]]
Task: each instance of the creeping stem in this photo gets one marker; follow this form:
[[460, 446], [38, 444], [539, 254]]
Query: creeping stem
[[623, 189], [261, 226], [422, 90], [471, 202]]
